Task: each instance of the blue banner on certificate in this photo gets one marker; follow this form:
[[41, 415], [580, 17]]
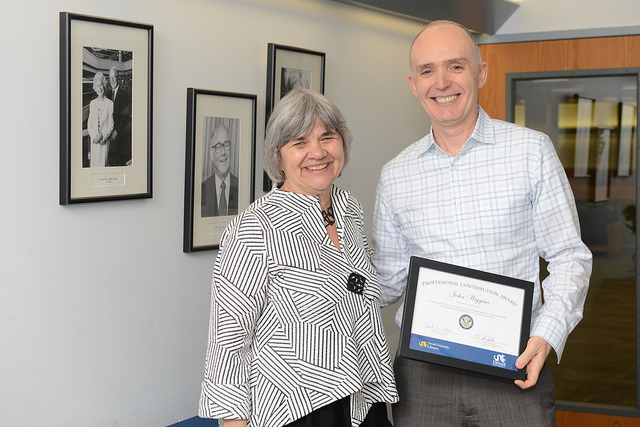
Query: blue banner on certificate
[[465, 318]]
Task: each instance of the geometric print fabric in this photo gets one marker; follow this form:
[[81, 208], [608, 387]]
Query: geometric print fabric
[[286, 336]]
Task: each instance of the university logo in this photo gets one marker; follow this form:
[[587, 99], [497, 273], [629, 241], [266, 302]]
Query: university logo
[[500, 360]]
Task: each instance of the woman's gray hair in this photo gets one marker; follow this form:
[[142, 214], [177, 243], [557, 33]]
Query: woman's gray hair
[[294, 116]]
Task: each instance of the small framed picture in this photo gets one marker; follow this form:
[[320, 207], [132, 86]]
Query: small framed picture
[[291, 68], [220, 163], [106, 76]]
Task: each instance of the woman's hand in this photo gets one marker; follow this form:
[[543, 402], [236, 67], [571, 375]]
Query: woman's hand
[[234, 423]]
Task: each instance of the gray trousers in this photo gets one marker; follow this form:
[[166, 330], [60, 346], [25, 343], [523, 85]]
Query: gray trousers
[[438, 396]]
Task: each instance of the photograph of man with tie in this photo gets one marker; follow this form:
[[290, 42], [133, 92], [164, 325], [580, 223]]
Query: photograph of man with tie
[[220, 188], [120, 94]]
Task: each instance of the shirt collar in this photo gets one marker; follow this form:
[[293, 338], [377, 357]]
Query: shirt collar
[[482, 133], [226, 180], [339, 200]]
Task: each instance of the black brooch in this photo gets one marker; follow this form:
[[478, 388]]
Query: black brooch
[[356, 283]]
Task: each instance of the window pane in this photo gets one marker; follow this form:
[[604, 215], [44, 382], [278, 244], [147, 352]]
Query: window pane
[[592, 122]]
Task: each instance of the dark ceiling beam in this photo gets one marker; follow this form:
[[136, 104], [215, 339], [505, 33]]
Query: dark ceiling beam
[[480, 16]]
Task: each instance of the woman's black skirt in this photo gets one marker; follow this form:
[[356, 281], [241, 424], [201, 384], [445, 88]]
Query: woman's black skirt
[[337, 414]]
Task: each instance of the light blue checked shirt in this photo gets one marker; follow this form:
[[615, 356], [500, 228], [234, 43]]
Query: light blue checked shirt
[[499, 205]]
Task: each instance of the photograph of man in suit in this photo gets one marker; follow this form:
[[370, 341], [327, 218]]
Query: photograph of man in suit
[[120, 94], [220, 189]]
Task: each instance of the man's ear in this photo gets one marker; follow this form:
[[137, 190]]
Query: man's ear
[[482, 75], [413, 86]]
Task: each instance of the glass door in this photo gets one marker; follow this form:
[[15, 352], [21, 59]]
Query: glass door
[[591, 117]]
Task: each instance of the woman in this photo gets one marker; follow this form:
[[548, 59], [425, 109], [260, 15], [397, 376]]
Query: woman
[[296, 337], [100, 123]]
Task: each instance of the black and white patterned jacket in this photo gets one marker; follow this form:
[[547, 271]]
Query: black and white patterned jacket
[[286, 335]]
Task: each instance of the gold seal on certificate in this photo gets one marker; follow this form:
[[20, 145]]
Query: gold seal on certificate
[[465, 318]]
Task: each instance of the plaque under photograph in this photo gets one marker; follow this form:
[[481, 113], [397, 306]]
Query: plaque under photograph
[[465, 318]]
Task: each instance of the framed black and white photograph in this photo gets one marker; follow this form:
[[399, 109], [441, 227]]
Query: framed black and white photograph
[[289, 68], [220, 163], [106, 77]]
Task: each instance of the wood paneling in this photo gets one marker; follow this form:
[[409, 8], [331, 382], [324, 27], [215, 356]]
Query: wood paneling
[[552, 55], [579, 419]]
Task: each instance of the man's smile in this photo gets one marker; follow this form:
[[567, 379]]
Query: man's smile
[[445, 99]]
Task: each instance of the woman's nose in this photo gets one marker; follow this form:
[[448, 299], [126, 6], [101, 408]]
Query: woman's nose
[[316, 149]]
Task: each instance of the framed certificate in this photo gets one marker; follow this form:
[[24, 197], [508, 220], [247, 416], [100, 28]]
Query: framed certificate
[[465, 318]]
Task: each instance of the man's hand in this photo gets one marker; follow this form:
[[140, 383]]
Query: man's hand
[[533, 358]]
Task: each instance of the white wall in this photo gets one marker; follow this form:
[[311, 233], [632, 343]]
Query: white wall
[[536, 16], [103, 319]]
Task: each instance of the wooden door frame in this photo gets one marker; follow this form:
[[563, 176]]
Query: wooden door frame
[[553, 55], [550, 55]]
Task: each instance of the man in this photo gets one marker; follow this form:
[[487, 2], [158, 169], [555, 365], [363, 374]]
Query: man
[[120, 148], [487, 195], [220, 190]]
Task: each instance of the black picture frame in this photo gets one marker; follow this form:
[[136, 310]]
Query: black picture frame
[[456, 316], [289, 67], [225, 116], [119, 165]]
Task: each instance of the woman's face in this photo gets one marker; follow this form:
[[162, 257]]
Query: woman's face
[[98, 87], [312, 161]]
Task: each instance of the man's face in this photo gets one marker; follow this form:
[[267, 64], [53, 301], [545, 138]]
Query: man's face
[[220, 151], [445, 76], [113, 79]]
